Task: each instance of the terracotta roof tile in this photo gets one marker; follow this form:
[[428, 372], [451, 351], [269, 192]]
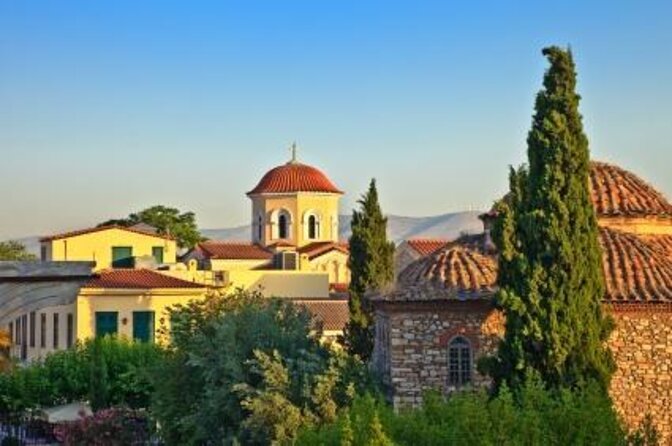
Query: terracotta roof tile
[[233, 251], [635, 269], [333, 313], [456, 268], [316, 249], [137, 279], [426, 246], [102, 228], [617, 192], [294, 177]]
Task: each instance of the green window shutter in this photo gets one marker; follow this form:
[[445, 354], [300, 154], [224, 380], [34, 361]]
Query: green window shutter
[[157, 253], [122, 256], [107, 323], [143, 326]]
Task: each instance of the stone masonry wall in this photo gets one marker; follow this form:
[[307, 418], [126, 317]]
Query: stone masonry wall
[[642, 347], [418, 346]]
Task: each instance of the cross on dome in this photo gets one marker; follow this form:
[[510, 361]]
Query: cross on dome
[[293, 148]]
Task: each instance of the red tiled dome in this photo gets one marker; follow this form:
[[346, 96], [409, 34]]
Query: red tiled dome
[[618, 192], [294, 177]]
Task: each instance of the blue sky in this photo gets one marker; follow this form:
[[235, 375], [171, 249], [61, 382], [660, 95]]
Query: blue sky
[[107, 107]]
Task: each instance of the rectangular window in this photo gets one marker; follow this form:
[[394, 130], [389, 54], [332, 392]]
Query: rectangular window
[[17, 327], [32, 329], [24, 337], [157, 253], [11, 332], [71, 330], [122, 256], [43, 253], [143, 326], [43, 330], [55, 330], [106, 323]]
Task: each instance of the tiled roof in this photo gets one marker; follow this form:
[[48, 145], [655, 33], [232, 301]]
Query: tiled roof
[[233, 251], [316, 249], [617, 192], [294, 177], [456, 268], [102, 228], [636, 269], [333, 313], [426, 246], [136, 279]]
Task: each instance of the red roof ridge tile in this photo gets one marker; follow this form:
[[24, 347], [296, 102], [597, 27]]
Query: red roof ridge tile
[[101, 228], [127, 278]]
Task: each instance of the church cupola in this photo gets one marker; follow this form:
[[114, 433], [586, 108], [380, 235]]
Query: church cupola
[[294, 203]]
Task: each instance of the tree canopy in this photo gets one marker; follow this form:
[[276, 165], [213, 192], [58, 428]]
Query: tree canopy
[[371, 264], [248, 369], [167, 221], [13, 250], [550, 272]]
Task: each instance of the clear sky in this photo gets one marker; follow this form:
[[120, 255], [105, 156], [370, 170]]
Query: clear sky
[[107, 107]]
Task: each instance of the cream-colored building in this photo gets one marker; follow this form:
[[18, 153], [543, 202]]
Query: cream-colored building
[[295, 227], [108, 247], [118, 280]]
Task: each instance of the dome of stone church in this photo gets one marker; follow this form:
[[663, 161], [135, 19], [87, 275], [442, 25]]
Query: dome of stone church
[[454, 267], [294, 177], [618, 192]]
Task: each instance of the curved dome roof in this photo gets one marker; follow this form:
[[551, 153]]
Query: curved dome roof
[[618, 192], [294, 177], [455, 267]]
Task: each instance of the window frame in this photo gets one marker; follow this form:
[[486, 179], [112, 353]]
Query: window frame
[[55, 330], [98, 314], [125, 262], [151, 327], [460, 362], [156, 249]]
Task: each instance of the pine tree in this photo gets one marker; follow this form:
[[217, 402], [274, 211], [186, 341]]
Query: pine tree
[[550, 266], [371, 264]]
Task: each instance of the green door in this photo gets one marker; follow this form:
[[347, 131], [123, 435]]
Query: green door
[[157, 253], [106, 323], [143, 326], [122, 256]]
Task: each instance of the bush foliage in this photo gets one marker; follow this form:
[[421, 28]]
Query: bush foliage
[[106, 371], [249, 369], [533, 416]]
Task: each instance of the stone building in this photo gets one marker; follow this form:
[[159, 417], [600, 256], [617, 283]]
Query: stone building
[[439, 319]]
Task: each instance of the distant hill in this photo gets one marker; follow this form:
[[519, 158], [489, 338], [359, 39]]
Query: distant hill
[[399, 228]]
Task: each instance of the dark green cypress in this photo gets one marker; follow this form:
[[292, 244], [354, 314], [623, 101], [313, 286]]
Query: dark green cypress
[[551, 280], [371, 264]]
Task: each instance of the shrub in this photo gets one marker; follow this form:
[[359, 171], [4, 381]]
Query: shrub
[[107, 427], [75, 374], [249, 369], [534, 416]]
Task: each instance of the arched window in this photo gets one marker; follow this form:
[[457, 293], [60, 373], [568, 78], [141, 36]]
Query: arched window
[[260, 228], [282, 226], [459, 362], [312, 227]]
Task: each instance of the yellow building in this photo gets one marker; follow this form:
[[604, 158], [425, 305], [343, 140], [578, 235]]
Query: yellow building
[[295, 227], [119, 280], [109, 247]]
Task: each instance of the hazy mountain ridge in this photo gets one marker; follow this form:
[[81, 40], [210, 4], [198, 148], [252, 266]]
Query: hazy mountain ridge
[[399, 228]]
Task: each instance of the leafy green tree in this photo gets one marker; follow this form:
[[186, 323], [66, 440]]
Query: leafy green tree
[[250, 369], [76, 374], [550, 266], [13, 250], [371, 264], [167, 221]]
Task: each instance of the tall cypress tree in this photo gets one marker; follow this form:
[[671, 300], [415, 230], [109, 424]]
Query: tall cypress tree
[[371, 264], [551, 281]]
